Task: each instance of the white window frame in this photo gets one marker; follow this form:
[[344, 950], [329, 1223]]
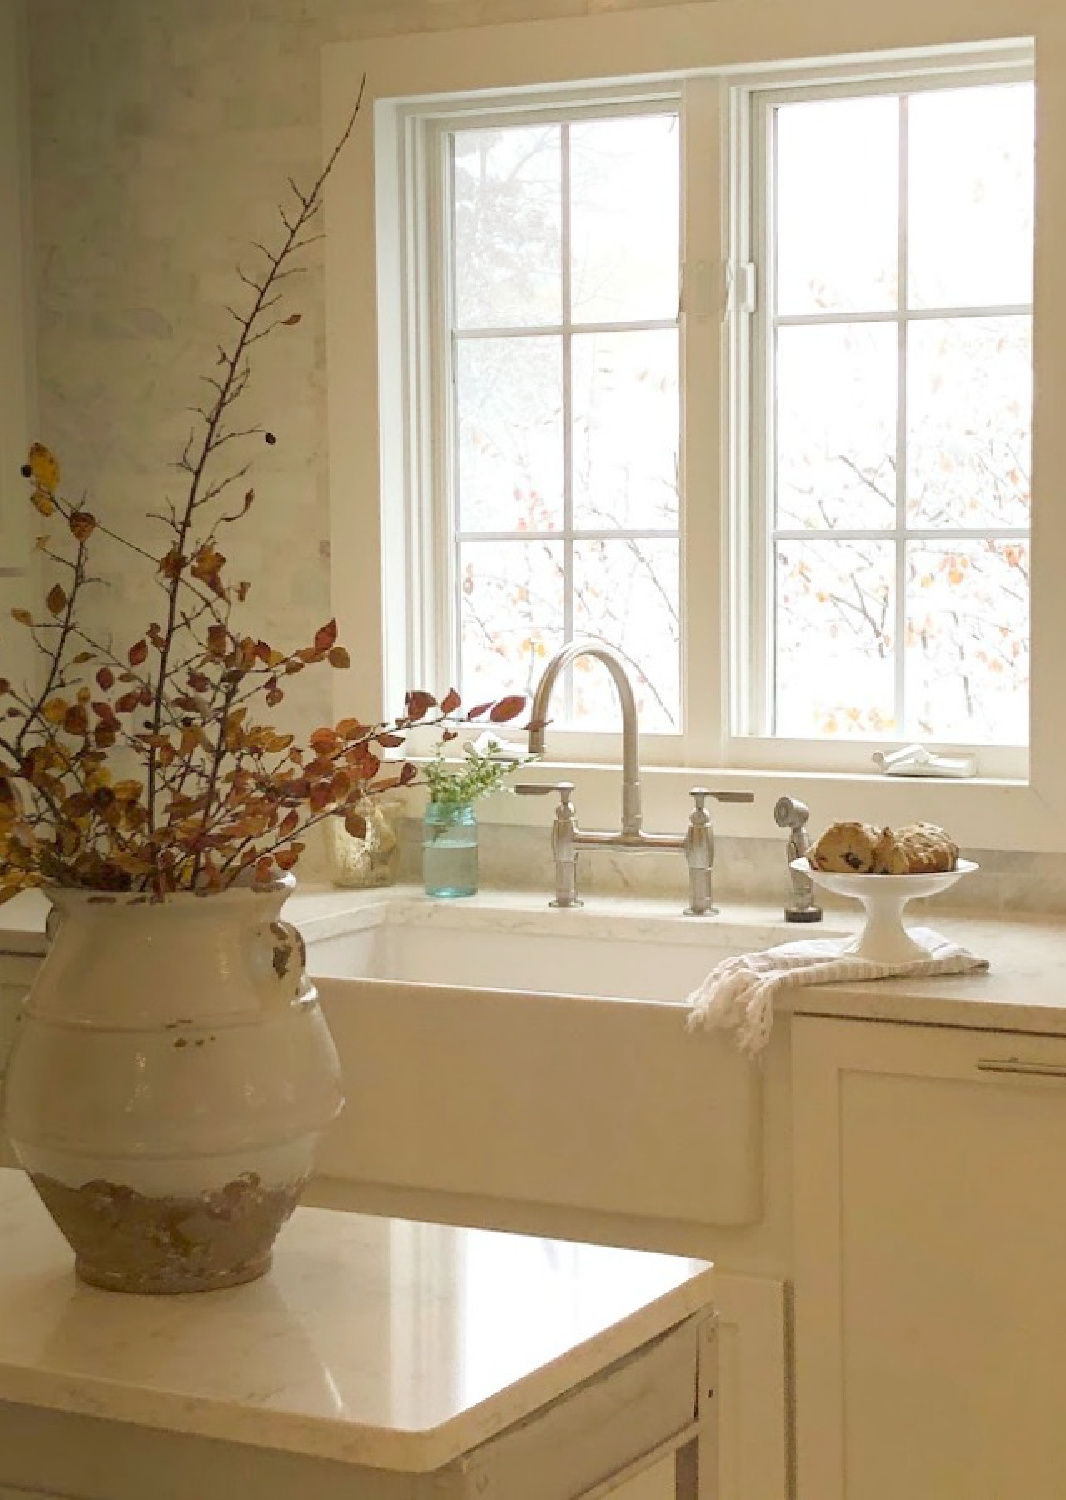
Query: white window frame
[[367, 308], [421, 526], [752, 104], [430, 137]]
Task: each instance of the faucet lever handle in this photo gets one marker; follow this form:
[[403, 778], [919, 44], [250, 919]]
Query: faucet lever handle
[[544, 789], [699, 795]]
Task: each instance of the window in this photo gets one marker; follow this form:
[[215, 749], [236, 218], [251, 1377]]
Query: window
[[892, 240], [876, 376], [560, 352], [430, 325]]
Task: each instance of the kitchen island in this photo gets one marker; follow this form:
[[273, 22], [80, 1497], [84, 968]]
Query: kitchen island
[[380, 1359]]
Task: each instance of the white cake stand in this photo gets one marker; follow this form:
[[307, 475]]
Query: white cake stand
[[884, 939]]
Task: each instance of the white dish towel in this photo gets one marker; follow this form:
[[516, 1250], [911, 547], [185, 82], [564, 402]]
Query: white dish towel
[[738, 994]]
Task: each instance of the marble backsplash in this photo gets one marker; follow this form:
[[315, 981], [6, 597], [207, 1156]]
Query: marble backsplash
[[754, 870]]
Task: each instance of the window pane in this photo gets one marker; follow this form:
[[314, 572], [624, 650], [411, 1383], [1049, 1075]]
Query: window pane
[[967, 641], [624, 219], [836, 426], [939, 385], [834, 667], [627, 593], [506, 187], [969, 416], [625, 425], [509, 396], [511, 614], [836, 199], [971, 196]]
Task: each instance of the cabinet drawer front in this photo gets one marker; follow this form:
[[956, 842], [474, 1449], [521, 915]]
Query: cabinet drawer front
[[971, 1054], [602, 1428]]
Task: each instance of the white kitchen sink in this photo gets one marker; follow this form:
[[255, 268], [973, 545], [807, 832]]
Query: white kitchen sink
[[504, 944], [503, 1050]]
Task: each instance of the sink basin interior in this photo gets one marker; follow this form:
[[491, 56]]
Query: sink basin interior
[[576, 952]]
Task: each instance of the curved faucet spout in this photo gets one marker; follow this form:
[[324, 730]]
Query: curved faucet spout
[[613, 661]]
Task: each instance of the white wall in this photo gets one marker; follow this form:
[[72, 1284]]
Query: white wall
[[15, 340], [164, 132]]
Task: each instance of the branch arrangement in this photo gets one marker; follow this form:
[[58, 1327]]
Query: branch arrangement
[[147, 767]]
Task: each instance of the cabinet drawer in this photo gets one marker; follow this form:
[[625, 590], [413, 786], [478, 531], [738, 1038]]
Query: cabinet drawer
[[968, 1055]]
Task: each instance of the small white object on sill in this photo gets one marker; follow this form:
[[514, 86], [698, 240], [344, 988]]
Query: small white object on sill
[[916, 760]]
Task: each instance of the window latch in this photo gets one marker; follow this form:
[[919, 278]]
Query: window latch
[[740, 287]]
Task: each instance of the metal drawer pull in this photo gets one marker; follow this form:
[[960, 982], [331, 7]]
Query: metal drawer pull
[[1016, 1065]]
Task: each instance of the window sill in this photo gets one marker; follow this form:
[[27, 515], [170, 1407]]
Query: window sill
[[981, 813]]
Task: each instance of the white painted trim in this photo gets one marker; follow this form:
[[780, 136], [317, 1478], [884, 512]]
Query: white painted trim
[[664, 42], [749, 740], [753, 1416], [819, 1355], [704, 447]]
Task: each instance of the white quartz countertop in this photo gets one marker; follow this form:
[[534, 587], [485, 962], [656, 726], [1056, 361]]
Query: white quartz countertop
[[1024, 988], [381, 1342], [22, 918]]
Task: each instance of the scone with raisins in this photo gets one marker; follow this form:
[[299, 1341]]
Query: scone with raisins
[[846, 849]]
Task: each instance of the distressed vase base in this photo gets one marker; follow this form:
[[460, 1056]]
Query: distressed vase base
[[126, 1241], [172, 1285]]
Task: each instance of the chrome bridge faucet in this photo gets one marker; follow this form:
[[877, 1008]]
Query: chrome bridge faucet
[[697, 843]]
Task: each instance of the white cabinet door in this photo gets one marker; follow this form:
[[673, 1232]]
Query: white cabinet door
[[930, 1222]]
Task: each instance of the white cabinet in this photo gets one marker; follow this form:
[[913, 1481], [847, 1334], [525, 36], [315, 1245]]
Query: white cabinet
[[930, 1268]]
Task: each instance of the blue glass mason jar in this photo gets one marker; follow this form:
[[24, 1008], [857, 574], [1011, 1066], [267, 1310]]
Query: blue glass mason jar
[[449, 849]]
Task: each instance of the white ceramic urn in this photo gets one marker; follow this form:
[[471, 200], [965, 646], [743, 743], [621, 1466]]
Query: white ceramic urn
[[169, 1080]]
